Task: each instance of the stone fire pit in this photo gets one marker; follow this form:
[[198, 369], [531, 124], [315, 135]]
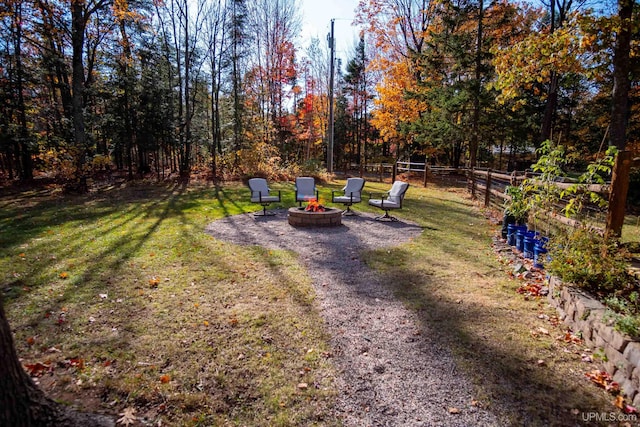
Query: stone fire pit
[[299, 217]]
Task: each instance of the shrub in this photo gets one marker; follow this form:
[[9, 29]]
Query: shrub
[[264, 160], [589, 261], [517, 206], [624, 311]]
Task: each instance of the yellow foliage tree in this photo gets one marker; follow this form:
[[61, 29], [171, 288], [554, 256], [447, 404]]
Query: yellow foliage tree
[[531, 61], [392, 105]]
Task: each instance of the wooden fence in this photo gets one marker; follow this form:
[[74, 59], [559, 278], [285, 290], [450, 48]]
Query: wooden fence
[[490, 186], [383, 170]]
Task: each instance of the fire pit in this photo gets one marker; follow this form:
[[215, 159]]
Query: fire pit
[[315, 215]]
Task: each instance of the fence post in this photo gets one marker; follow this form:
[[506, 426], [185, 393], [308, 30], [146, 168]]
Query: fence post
[[394, 172], [487, 191], [473, 183], [618, 194], [426, 172]]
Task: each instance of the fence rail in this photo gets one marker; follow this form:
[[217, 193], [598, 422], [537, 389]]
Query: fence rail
[[393, 169], [490, 186]]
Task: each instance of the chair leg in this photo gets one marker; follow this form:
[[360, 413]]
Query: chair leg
[[264, 212], [348, 211]]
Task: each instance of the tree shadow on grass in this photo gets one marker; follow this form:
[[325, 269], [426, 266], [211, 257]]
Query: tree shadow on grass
[[516, 387]]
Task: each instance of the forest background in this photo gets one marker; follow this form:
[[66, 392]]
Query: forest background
[[224, 89]]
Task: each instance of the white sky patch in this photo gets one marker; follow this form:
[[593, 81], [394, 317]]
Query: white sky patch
[[316, 22]]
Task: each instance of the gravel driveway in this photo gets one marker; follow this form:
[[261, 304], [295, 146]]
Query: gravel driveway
[[392, 369]]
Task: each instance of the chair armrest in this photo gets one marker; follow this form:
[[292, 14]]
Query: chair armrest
[[380, 197]]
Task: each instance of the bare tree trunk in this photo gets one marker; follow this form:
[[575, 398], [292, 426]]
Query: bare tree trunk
[[78, 25], [550, 108], [618, 128], [22, 403], [475, 134], [24, 160], [621, 83]]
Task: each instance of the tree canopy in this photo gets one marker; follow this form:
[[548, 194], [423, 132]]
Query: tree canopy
[[225, 87]]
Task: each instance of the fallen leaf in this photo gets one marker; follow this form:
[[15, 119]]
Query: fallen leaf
[[31, 340], [77, 363], [453, 410], [127, 417], [64, 275], [619, 402], [165, 379], [303, 386], [37, 369], [103, 296], [154, 282], [604, 380], [571, 338]]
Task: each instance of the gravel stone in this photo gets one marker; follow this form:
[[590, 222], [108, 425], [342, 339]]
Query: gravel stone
[[389, 374]]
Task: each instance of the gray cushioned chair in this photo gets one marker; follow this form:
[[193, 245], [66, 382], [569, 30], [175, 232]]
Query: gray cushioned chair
[[306, 189], [261, 194], [394, 199], [352, 193]]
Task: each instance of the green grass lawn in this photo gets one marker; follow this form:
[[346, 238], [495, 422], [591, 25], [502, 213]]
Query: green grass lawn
[[129, 303]]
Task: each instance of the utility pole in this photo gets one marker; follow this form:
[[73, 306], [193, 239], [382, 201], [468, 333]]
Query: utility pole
[[332, 46]]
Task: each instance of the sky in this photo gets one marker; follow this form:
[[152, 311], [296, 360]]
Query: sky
[[316, 22]]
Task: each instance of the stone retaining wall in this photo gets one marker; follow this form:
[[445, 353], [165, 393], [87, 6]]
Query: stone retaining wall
[[585, 315]]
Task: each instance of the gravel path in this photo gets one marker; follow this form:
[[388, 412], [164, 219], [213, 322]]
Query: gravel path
[[392, 370]]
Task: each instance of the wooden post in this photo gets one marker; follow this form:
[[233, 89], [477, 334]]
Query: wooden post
[[426, 173], [618, 194], [487, 191], [393, 174], [381, 171], [473, 183]]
